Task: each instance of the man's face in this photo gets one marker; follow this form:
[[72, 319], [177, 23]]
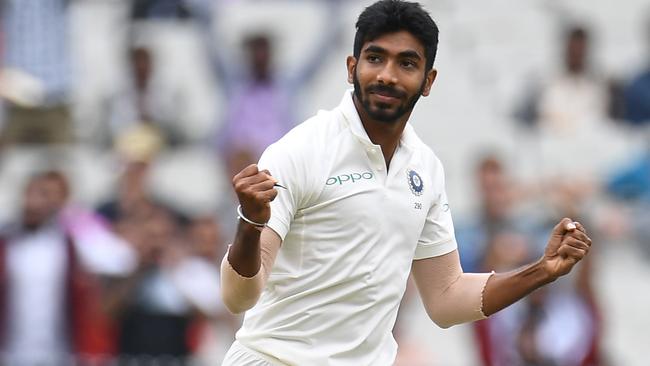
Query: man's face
[[43, 198], [576, 54], [389, 77], [142, 66], [260, 55]]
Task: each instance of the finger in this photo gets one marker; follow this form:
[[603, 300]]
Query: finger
[[268, 173], [263, 186], [246, 172], [580, 227], [565, 225], [580, 236], [573, 242], [570, 252], [244, 187], [266, 196], [571, 226], [258, 178], [254, 179]]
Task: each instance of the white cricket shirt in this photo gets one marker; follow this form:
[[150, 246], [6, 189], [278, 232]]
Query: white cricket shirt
[[350, 231]]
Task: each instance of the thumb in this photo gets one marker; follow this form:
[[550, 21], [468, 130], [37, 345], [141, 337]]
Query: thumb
[[564, 226]]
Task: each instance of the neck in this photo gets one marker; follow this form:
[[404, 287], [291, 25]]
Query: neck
[[385, 134]]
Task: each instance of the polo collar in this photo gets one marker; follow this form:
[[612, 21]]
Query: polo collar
[[351, 115]]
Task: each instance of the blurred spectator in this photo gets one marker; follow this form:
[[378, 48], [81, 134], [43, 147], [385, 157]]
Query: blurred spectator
[[261, 101], [577, 98], [204, 236], [496, 212], [145, 104], [137, 149], [571, 119], [502, 237], [214, 333], [637, 92], [36, 75], [630, 186], [172, 106], [161, 308], [173, 288], [46, 259], [524, 334]]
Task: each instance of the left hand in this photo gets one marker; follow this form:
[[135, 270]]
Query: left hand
[[568, 244]]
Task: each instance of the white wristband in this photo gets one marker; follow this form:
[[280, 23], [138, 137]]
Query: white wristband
[[240, 215]]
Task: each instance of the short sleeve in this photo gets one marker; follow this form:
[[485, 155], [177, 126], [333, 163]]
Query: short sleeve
[[437, 237], [286, 166]]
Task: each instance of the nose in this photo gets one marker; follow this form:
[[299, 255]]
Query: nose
[[387, 74]]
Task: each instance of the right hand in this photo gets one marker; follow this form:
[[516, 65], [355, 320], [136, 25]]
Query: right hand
[[568, 244], [254, 189]]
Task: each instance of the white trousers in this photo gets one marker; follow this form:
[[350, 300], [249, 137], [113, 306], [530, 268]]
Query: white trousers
[[239, 355]]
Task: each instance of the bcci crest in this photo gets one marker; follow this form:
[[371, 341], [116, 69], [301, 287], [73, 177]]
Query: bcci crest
[[415, 182]]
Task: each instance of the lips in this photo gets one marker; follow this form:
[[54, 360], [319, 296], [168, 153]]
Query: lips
[[385, 98], [385, 94]]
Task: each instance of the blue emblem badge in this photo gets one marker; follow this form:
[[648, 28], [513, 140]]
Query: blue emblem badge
[[415, 182]]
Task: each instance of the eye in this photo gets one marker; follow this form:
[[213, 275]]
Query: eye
[[373, 59], [408, 64]]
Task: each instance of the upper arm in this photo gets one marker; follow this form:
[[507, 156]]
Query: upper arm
[[270, 243], [437, 237], [449, 295], [286, 161], [435, 274]]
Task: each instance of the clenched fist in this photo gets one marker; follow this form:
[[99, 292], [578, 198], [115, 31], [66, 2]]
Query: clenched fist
[[255, 191], [568, 244]]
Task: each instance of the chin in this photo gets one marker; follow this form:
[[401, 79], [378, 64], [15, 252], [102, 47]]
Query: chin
[[385, 118], [384, 115]]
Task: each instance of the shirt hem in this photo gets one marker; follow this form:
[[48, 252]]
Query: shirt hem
[[424, 251]]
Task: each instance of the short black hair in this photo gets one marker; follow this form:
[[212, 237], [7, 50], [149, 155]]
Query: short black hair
[[389, 16]]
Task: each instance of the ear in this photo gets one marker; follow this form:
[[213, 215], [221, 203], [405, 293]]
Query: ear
[[351, 63], [430, 78]]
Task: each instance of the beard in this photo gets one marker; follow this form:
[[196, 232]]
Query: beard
[[380, 111]]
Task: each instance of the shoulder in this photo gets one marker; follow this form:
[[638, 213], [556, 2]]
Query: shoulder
[[311, 135], [423, 152]]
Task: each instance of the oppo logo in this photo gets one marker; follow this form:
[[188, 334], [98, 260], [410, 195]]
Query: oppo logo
[[345, 178]]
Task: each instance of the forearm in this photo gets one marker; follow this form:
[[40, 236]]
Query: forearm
[[249, 259], [242, 286], [504, 289], [244, 254]]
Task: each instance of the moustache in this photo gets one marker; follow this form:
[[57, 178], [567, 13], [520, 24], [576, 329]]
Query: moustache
[[385, 90]]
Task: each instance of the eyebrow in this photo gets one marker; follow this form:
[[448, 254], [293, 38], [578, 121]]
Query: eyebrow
[[405, 54]]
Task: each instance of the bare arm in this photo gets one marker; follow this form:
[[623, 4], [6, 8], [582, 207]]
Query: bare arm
[[248, 262], [452, 297], [568, 244]]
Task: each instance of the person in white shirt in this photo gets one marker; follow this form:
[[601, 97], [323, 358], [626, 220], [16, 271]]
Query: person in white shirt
[[321, 262]]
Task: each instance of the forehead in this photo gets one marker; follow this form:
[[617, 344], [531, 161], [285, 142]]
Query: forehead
[[397, 42]]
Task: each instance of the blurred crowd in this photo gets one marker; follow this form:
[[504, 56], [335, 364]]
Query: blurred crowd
[[130, 276]]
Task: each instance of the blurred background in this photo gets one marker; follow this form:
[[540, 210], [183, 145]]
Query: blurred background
[[122, 122]]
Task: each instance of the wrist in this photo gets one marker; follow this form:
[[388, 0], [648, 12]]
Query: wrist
[[248, 221], [544, 274]]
